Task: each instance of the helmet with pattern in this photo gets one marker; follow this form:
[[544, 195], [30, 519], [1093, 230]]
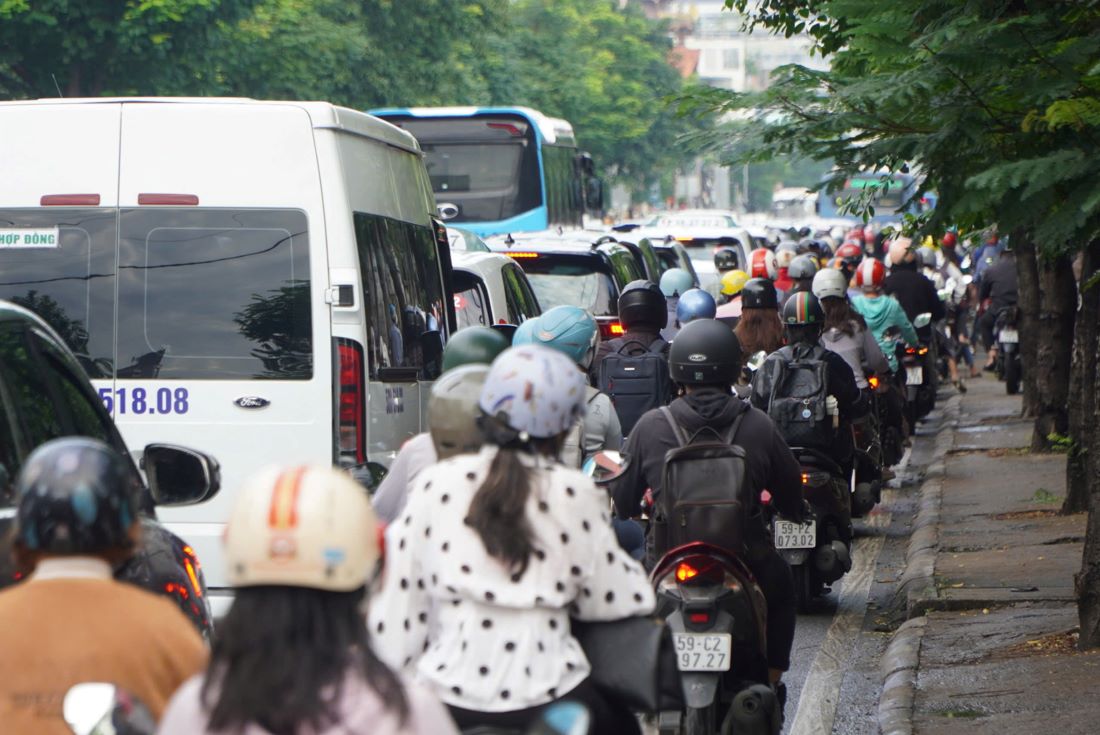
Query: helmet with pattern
[[531, 392], [870, 274], [308, 526], [567, 329], [762, 264], [76, 496]]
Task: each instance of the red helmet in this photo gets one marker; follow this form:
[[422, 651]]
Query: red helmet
[[950, 239], [763, 264], [870, 274], [855, 235], [850, 252]]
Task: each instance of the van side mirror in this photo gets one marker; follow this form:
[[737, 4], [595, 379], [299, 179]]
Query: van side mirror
[[180, 476], [593, 194], [431, 344]]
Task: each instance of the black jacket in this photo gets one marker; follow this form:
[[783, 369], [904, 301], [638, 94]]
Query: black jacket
[[769, 462], [999, 283], [916, 294], [644, 337]]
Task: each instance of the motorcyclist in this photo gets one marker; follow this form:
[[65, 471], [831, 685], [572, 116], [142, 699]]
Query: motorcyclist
[[802, 271], [762, 264], [77, 516], [881, 312], [674, 283], [999, 286], [804, 320], [643, 313], [708, 401], [695, 304], [845, 331], [916, 294], [497, 551], [733, 282], [469, 346], [573, 331], [294, 653], [759, 328], [726, 259], [785, 252], [817, 248]]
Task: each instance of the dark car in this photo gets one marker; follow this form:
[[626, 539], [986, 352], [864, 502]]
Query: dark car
[[44, 394], [579, 269]]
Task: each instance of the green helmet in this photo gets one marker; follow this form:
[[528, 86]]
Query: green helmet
[[473, 346]]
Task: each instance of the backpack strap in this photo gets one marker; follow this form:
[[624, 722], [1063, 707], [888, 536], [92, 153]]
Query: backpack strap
[[657, 346], [677, 430]]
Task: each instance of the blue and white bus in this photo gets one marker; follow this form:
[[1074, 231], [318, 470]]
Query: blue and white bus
[[502, 169], [889, 193]]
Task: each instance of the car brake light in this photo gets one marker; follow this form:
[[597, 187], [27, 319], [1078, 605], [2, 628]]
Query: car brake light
[[685, 571], [69, 200], [699, 617], [522, 255], [184, 200], [351, 403]]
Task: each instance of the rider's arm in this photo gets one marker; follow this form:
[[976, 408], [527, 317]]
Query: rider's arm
[[613, 437], [937, 307], [389, 499], [842, 386], [902, 321], [784, 480]]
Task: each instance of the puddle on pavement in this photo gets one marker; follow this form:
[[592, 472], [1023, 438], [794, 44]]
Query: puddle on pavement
[[983, 428]]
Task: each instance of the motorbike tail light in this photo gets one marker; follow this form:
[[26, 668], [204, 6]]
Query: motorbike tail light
[[873, 382], [699, 617], [765, 497], [815, 478], [685, 571], [351, 401], [610, 330], [922, 351]]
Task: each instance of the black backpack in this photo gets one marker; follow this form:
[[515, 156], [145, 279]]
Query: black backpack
[[636, 379], [703, 495], [799, 385]]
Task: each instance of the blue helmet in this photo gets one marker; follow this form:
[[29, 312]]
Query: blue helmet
[[675, 281], [695, 304], [567, 329], [524, 334]]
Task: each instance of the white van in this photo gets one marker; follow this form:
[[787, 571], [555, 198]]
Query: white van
[[263, 281]]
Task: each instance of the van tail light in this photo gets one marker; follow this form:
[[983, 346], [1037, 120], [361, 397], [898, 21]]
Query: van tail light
[[169, 200], [69, 200], [351, 402]]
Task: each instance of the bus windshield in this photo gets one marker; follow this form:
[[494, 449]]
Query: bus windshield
[[486, 181]]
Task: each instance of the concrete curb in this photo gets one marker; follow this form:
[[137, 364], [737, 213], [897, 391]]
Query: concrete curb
[[899, 678], [917, 588]]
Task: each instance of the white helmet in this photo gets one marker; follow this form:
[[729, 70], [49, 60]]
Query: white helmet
[[534, 391], [453, 410], [302, 527], [830, 282]]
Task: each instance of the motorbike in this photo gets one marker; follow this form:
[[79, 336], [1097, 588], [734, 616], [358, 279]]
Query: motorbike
[[1008, 366], [891, 439], [918, 375], [717, 614], [819, 550]]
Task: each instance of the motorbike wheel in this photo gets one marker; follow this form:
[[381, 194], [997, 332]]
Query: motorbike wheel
[[804, 587], [1012, 375], [701, 721]]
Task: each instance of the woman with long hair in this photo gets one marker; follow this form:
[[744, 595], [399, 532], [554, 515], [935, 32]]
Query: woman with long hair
[[846, 332], [759, 329], [496, 551], [293, 654]]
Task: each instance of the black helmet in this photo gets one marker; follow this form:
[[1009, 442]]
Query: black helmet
[[641, 304], [726, 259], [759, 293], [803, 267], [76, 496], [705, 352], [803, 309]]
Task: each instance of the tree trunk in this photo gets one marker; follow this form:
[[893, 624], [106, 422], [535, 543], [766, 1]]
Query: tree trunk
[[1027, 275], [1082, 381], [1054, 351], [1088, 580]]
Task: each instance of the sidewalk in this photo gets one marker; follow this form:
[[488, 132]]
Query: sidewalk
[[990, 644]]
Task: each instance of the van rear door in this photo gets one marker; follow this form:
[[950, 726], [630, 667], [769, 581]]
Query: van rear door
[[223, 334]]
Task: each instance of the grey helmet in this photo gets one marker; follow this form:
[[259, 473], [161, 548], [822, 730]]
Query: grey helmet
[[453, 410]]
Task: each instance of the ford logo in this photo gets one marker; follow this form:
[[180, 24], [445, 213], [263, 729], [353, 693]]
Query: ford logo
[[251, 402], [697, 357]]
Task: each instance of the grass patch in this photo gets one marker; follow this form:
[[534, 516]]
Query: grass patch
[[958, 714], [1042, 495]]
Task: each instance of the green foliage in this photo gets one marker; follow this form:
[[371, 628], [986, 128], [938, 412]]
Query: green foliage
[[995, 103]]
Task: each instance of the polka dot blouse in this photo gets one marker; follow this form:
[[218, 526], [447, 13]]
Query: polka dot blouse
[[483, 637]]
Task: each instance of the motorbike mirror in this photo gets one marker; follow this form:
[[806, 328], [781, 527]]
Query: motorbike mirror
[[922, 320], [603, 466], [98, 708], [756, 360], [179, 476], [968, 279]]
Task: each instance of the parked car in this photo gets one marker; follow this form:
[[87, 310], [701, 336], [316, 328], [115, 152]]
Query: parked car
[[44, 395], [579, 268], [490, 290], [265, 279]]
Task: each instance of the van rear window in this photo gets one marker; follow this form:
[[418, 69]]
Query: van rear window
[[214, 294]]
